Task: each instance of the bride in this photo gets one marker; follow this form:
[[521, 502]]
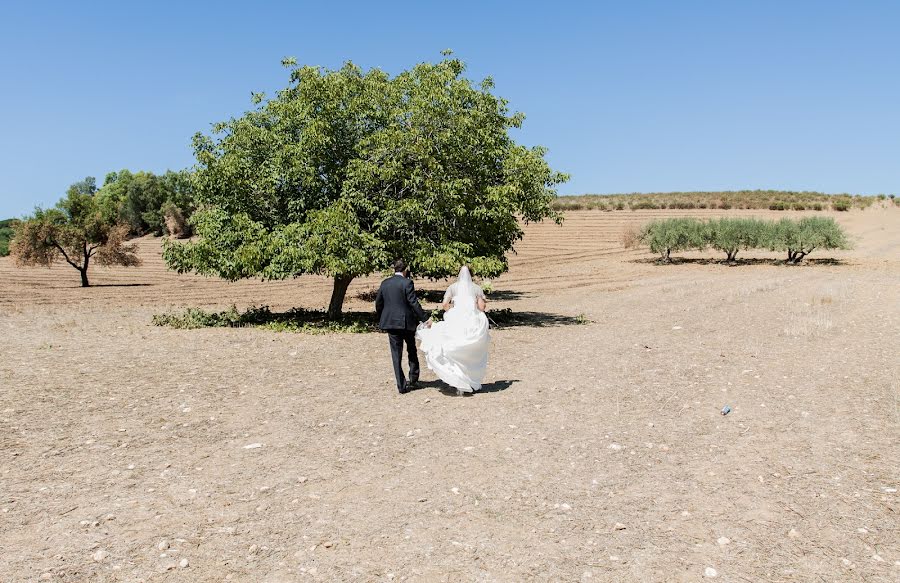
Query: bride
[[457, 348]]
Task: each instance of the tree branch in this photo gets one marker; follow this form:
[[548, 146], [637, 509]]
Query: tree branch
[[65, 255]]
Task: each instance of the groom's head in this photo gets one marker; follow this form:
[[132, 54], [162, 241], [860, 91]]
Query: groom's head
[[399, 266]]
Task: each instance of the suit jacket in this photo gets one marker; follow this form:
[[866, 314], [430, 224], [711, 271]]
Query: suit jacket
[[397, 306]]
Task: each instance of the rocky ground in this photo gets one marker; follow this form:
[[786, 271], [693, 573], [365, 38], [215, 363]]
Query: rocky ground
[[596, 452]]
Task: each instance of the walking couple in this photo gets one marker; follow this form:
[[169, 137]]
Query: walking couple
[[456, 349]]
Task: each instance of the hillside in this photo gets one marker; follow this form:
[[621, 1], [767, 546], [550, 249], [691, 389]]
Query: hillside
[[776, 200]]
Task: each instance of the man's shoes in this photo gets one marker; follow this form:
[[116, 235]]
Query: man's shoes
[[404, 389]]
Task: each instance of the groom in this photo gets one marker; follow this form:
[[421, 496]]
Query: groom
[[399, 313]]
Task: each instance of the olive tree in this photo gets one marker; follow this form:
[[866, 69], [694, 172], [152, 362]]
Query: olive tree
[[666, 235], [732, 235], [800, 238], [345, 170]]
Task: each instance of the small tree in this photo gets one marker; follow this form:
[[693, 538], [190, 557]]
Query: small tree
[[667, 235], [733, 235], [345, 170], [800, 238], [76, 231]]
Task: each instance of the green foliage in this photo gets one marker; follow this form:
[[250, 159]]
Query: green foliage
[[841, 205], [345, 170], [76, 230], [666, 235], [295, 320], [6, 233], [742, 199], [141, 199], [798, 237], [733, 235]]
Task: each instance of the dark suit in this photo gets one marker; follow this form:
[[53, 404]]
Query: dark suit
[[399, 313]]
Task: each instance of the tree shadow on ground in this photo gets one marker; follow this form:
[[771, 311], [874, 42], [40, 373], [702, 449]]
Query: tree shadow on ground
[[508, 318], [437, 295], [738, 262], [316, 321], [447, 390]]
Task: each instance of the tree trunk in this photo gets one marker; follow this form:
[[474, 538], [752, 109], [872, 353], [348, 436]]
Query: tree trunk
[[338, 293], [83, 269]]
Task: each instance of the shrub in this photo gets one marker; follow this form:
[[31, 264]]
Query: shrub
[[6, 233], [799, 206], [175, 222], [777, 206], [816, 206], [841, 205], [294, 320], [631, 236], [667, 235]]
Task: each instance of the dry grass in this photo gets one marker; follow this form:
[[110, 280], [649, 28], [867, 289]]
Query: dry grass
[[745, 199]]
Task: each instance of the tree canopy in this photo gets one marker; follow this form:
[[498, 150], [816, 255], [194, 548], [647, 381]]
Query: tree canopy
[[76, 231], [144, 200], [345, 170]]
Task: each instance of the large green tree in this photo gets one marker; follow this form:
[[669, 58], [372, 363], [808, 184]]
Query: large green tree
[[75, 231], [345, 170]]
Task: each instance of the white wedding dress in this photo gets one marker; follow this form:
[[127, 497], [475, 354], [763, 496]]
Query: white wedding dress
[[456, 349]]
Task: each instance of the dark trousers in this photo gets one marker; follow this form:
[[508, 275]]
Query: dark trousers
[[397, 338]]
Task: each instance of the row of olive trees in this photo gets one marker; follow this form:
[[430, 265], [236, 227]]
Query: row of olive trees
[[798, 238]]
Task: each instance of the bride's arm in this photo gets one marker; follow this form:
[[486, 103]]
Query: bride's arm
[[448, 297], [482, 304]]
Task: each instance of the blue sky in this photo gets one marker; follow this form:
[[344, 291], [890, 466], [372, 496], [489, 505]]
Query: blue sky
[[627, 96]]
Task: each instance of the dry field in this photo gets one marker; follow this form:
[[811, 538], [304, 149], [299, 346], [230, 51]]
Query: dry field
[[597, 452]]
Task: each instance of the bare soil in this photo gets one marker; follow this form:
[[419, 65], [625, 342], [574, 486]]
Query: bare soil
[[597, 451]]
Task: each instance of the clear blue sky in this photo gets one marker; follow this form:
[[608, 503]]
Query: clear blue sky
[[628, 96]]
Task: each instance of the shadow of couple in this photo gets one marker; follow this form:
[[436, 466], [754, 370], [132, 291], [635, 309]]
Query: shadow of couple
[[449, 391]]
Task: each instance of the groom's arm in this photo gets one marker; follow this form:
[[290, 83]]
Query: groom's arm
[[413, 301], [379, 303]]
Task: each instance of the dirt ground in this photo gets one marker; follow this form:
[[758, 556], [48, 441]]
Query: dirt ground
[[597, 451]]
